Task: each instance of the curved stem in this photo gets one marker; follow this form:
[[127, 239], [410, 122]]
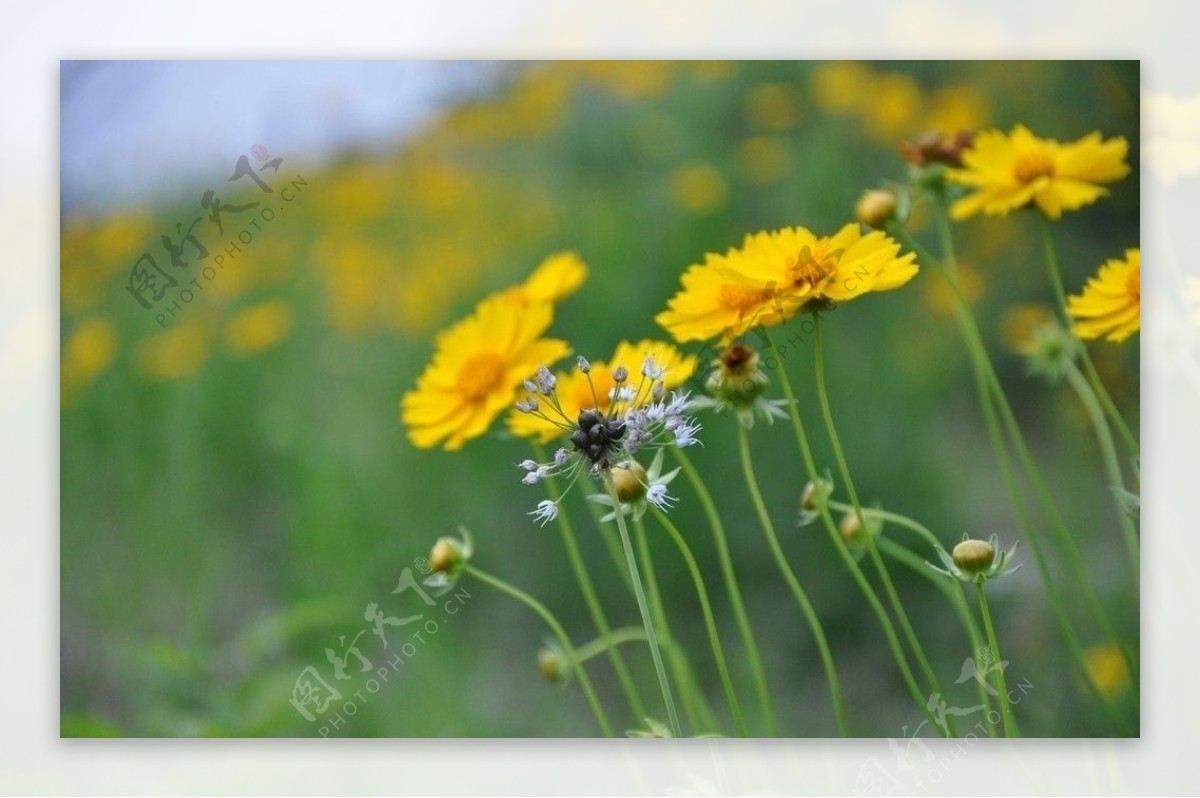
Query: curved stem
[[1112, 467], [843, 551], [615, 637], [640, 593], [839, 455], [764, 517], [731, 586], [953, 592], [563, 641], [695, 708], [1093, 376], [714, 638], [1010, 723], [595, 609]]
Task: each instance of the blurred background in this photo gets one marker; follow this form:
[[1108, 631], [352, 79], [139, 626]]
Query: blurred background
[[236, 486]]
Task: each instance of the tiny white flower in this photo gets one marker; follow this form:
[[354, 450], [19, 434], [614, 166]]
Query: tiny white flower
[[546, 511], [657, 495], [528, 465], [561, 457]]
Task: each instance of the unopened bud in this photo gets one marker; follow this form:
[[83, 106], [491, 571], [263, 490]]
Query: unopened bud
[[875, 207], [850, 527], [629, 478], [973, 556], [446, 555], [551, 664]]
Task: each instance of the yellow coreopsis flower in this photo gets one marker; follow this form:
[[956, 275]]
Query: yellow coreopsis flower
[[775, 274], [476, 369], [575, 392], [1012, 170], [558, 276], [1111, 302]]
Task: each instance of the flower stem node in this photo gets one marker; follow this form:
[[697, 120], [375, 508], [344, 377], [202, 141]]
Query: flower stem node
[[976, 560], [448, 559]]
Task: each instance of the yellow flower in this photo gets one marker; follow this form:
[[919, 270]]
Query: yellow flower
[[1107, 670], [258, 328], [87, 353], [177, 353], [764, 159], [1111, 303], [476, 369], [774, 274], [575, 392], [558, 276], [1013, 170]]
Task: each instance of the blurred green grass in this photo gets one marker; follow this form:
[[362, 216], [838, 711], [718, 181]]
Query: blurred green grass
[[221, 528]]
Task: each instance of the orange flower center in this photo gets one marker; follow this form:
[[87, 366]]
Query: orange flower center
[[813, 266], [1033, 164], [743, 297], [480, 375], [1133, 284]]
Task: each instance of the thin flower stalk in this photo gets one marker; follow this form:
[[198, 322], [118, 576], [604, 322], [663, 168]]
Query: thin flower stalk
[[1010, 722], [729, 576], [806, 607], [564, 642]]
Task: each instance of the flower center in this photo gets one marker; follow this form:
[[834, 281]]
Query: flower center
[[813, 266], [1133, 284], [480, 375], [743, 297], [1033, 164]]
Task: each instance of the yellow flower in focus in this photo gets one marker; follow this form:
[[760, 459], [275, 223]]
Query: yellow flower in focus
[[258, 328], [575, 392], [699, 188], [87, 352], [177, 353], [477, 366], [775, 274], [1111, 303], [1019, 324], [1107, 669], [557, 277], [1012, 170]]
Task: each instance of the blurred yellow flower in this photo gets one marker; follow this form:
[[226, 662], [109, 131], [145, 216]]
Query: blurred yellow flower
[[764, 159], [841, 87], [87, 353], [1020, 322], [177, 353], [477, 366], [259, 327], [1012, 170], [699, 188], [1107, 669], [558, 276], [772, 106], [893, 107], [575, 392], [941, 298], [632, 80], [1111, 302], [956, 108], [774, 274]]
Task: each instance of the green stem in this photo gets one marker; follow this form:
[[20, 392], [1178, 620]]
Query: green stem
[[571, 543], [710, 623], [839, 545], [563, 641], [814, 622], [695, 708], [640, 593], [952, 590], [1010, 723], [613, 638], [731, 586], [1112, 467], [839, 455], [1110, 408]]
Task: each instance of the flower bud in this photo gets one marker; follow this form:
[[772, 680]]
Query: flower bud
[[446, 555], [630, 478], [973, 556], [736, 376], [875, 207], [850, 527], [551, 663]]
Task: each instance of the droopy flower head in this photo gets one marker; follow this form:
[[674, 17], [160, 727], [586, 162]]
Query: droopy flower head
[[774, 275], [475, 372], [1010, 171], [575, 391], [558, 276], [1111, 303]]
